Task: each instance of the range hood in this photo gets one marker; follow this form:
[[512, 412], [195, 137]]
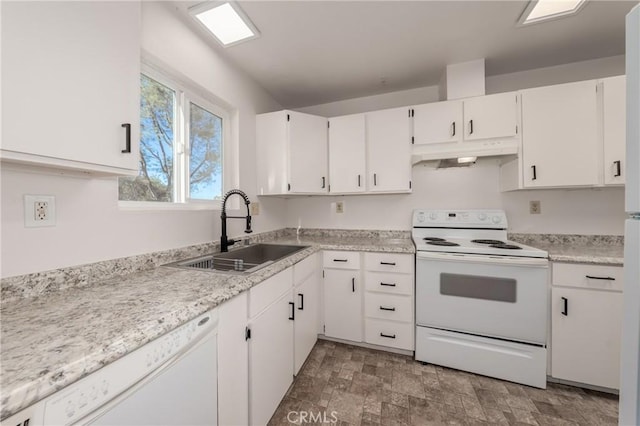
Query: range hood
[[459, 81]]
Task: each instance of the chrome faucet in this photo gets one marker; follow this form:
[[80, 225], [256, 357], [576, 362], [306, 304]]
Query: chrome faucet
[[224, 241]]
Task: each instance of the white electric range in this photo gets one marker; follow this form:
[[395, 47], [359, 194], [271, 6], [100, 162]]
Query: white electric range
[[481, 300]]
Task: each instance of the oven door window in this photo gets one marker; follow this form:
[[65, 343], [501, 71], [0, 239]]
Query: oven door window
[[478, 287]]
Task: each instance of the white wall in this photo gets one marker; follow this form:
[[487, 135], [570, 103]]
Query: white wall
[[579, 211], [90, 226]]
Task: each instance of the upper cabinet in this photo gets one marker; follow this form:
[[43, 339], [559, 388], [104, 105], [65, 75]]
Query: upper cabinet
[[347, 161], [614, 129], [71, 85], [291, 152], [560, 135], [491, 117], [437, 122], [389, 150]]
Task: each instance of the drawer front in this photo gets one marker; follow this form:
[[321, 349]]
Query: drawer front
[[388, 306], [388, 282], [268, 291], [389, 262], [599, 277], [387, 333], [305, 268], [341, 259]]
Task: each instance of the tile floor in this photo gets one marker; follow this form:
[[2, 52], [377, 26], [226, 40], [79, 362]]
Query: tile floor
[[365, 387]]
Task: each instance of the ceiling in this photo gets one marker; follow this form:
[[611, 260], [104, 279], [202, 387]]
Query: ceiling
[[314, 52]]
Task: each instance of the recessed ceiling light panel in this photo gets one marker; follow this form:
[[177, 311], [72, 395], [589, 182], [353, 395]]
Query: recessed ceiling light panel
[[545, 10], [226, 21]]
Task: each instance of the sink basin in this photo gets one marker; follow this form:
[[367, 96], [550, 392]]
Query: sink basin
[[244, 260]]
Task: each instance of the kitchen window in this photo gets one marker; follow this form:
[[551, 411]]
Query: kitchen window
[[183, 144]]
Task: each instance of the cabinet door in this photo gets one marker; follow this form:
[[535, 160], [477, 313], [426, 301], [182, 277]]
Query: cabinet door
[[347, 170], [343, 304], [437, 122], [271, 153], [307, 300], [70, 79], [270, 359], [233, 362], [560, 135], [614, 126], [491, 117], [389, 150], [307, 153], [585, 344]]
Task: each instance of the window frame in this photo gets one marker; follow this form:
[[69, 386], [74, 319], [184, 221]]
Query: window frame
[[187, 92]]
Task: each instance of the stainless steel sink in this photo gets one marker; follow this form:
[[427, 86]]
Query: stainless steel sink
[[243, 260]]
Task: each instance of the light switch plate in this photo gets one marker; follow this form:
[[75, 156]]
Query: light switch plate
[[39, 211]]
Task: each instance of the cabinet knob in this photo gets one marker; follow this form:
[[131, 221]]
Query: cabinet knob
[[127, 127], [533, 173], [618, 168], [565, 306]]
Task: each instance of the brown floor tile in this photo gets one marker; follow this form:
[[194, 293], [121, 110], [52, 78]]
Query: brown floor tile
[[348, 406], [394, 414], [408, 384]]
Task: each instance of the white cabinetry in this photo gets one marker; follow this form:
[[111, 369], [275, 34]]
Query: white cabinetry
[[347, 161], [491, 117], [342, 295], [389, 300], [560, 135], [70, 80], [437, 122], [586, 322], [291, 153], [306, 294], [270, 345], [233, 359], [389, 150], [614, 129]]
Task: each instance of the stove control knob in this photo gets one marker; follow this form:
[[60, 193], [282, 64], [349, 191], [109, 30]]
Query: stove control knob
[[433, 215], [420, 217], [496, 219], [482, 216]]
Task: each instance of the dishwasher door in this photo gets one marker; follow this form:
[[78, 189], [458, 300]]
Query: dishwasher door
[[183, 392]]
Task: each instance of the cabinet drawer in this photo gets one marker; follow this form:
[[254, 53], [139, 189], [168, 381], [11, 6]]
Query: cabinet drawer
[[268, 291], [305, 268], [389, 262], [341, 259], [387, 333], [388, 282], [388, 306], [600, 277]]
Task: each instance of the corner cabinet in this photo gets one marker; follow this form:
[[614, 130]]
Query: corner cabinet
[[292, 153], [71, 80]]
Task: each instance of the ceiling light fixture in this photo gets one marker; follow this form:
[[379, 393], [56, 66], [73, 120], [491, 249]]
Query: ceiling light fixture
[[545, 10], [226, 21]]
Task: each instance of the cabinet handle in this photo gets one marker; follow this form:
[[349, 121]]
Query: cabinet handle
[[618, 168], [382, 308], [388, 336], [388, 263], [293, 311], [388, 284], [453, 129], [533, 171], [375, 179], [565, 306], [358, 181], [470, 127], [339, 260], [323, 182], [591, 277], [353, 285], [127, 127], [301, 296]]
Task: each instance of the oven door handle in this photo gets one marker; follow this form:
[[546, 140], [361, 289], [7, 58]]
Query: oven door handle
[[485, 259]]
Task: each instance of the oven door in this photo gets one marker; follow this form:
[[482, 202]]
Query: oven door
[[494, 296]]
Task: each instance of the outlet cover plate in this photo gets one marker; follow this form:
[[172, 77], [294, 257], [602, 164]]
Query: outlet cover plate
[[535, 207], [31, 215]]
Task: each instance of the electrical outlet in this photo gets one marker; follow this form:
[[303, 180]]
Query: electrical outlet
[[254, 208], [534, 207], [339, 206], [39, 210]]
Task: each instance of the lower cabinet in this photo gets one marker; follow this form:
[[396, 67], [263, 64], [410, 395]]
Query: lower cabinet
[[306, 296], [342, 295], [586, 324]]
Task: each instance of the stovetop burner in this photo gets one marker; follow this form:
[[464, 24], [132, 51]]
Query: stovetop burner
[[442, 243], [433, 239], [488, 242], [506, 246]]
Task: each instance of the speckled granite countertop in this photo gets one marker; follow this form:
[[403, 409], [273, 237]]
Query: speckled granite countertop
[[595, 249], [54, 339]]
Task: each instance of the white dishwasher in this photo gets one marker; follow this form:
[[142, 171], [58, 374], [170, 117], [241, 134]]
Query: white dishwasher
[[169, 381]]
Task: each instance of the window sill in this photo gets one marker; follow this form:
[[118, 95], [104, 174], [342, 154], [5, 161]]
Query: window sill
[[146, 205]]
